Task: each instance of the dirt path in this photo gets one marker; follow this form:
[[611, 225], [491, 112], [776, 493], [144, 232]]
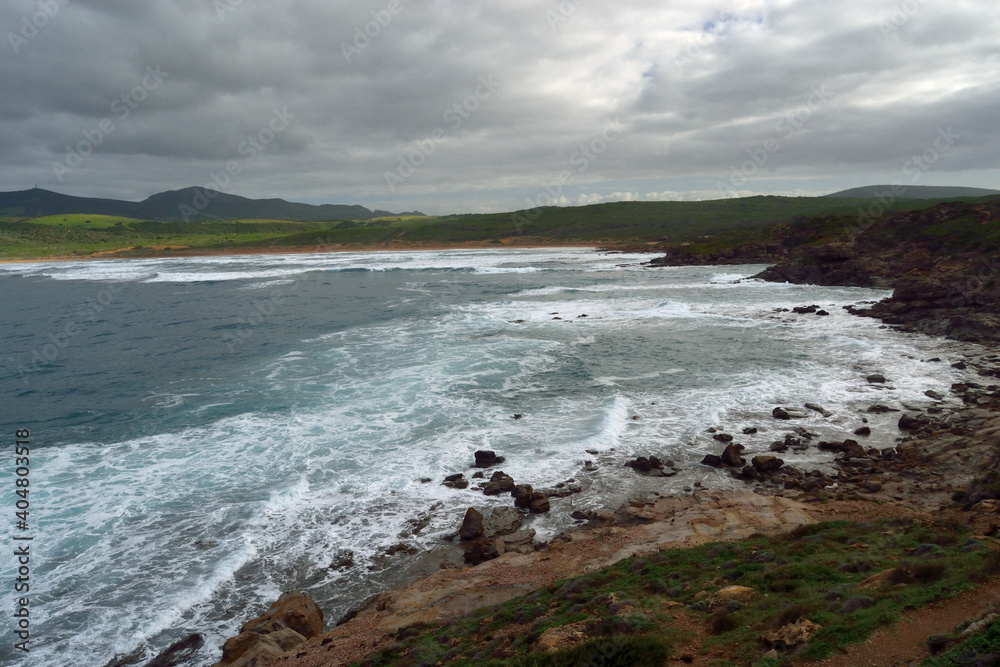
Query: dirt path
[[906, 643]]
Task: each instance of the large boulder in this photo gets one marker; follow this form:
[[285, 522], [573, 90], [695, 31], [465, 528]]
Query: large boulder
[[502, 521], [767, 463], [472, 525], [487, 459], [522, 495], [499, 483], [288, 623], [539, 503], [731, 456]]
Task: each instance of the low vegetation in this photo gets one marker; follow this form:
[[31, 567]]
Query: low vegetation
[[703, 226], [849, 578]]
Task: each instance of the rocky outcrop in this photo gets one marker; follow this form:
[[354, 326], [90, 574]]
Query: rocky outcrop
[[941, 261], [285, 626], [488, 459]]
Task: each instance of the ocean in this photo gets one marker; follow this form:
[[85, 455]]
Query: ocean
[[207, 433]]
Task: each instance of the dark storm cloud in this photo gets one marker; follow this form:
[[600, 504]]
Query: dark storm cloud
[[386, 106]]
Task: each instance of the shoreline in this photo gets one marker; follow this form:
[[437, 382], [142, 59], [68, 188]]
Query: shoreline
[[938, 455], [309, 250]]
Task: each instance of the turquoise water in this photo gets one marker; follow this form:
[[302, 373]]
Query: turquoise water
[[210, 432]]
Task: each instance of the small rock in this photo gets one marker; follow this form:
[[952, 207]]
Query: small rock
[[820, 409], [930, 393], [780, 413], [822, 312], [871, 486], [712, 460], [722, 437], [749, 431], [960, 365], [863, 431], [516, 417], [876, 378]]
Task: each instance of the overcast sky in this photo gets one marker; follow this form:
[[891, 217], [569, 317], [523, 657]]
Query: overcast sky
[[468, 106]]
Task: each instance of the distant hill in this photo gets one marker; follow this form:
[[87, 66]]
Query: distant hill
[[187, 205], [915, 192]]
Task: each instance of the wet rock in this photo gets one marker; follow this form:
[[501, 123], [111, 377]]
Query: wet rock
[[712, 460], [472, 525], [780, 413], [875, 378], [179, 652], [749, 431], [478, 475], [805, 310], [722, 437], [499, 483], [881, 409], [767, 463], [930, 393], [820, 409], [456, 481], [822, 313], [522, 495], [516, 417], [863, 431], [960, 365], [908, 423], [539, 503], [487, 459], [731, 456]]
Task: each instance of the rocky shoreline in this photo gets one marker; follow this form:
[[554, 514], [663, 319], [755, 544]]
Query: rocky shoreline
[[947, 456]]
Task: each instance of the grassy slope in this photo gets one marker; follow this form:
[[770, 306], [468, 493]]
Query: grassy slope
[[813, 572], [626, 224]]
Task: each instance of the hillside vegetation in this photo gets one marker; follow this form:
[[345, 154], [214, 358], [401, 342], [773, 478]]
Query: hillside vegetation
[[623, 225]]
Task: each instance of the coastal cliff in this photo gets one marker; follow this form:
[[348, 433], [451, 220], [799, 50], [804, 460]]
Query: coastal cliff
[[942, 263]]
